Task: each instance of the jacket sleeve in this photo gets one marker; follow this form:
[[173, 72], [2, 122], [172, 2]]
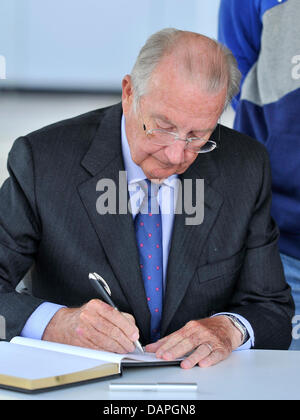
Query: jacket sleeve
[[20, 233], [240, 30], [262, 296]]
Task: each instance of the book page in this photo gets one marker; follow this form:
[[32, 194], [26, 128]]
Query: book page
[[89, 353], [29, 363], [65, 348]]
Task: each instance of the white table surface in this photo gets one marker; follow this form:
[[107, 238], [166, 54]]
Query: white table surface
[[250, 374]]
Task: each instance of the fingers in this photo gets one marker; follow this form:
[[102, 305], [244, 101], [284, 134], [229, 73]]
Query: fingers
[[203, 355], [213, 358], [177, 344], [153, 347], [99, 330], [202, 352], [175, 348], [116, 318], [107, 328], [205, 342], [91, 338], [95, 325]]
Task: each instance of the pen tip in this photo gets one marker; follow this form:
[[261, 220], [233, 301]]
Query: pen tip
[[139, 347]]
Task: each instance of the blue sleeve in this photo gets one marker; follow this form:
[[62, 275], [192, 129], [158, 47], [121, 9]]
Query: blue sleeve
[[240, 28], [39, 319]]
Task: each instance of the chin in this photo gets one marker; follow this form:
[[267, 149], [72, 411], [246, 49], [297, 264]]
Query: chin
[[153, 171], [160, 173]]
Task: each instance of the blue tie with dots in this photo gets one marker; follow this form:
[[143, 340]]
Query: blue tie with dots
[[149, 240]]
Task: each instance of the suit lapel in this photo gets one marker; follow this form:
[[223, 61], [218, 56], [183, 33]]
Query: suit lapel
[[188, 241], [115, 231]]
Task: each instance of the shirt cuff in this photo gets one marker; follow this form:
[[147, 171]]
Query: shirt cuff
[[39, 319], [250, 342]]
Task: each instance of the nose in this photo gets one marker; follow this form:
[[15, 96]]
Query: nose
[[175, 152]]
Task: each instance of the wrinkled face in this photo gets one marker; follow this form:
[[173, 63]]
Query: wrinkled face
[[175, 105]]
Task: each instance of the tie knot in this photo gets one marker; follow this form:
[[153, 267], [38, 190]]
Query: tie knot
[[150, 200], [150, 188]]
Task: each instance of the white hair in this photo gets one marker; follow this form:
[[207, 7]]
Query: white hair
[[221, 66]]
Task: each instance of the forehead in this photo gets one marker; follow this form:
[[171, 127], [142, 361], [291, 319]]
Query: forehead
[[173, 95], [185, 107]]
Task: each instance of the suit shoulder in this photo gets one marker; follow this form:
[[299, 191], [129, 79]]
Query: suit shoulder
[[248, 149], [79, 129], [242, 161]]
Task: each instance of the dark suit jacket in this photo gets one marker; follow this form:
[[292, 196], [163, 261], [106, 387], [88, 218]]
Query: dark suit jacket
[[48, 220]]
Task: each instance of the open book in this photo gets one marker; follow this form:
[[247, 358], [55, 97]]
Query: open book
[[30, 365]]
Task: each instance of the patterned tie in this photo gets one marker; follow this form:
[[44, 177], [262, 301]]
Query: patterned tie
[[149, 239]]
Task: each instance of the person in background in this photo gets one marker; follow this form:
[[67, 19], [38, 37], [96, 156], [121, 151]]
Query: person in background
[[264, 36]]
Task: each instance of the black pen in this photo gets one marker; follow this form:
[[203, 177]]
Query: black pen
[[102, 288]]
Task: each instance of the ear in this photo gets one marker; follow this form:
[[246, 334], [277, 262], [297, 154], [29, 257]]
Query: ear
[[127, 94]]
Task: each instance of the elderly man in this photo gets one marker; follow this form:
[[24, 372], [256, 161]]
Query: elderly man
[[201, 289]]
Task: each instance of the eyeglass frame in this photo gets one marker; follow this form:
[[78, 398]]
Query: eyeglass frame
[[187, 140]]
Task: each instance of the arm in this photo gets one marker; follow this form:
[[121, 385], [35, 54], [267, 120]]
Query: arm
[[240, 30], [20, 232], [94, 325], [262, 295], [39, 319]]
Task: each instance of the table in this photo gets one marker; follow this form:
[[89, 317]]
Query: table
[[249, 374]]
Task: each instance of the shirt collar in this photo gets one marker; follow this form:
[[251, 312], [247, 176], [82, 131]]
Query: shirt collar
[[134, 172]]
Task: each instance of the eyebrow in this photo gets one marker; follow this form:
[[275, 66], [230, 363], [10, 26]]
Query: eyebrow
[[161, 117], [165, 119]]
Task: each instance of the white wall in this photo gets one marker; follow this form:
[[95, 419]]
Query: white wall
[[88, 44]]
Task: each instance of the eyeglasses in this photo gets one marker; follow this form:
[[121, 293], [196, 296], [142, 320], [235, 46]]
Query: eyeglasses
[[162, 137]]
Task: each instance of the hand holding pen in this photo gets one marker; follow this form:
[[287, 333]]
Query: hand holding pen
[[96, 325], [103, 290]]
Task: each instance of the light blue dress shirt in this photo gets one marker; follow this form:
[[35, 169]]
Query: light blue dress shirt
[[168, 192]]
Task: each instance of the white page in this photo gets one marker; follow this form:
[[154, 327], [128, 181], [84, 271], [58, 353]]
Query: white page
[[90, 353], [35, 363], [65, 348]]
